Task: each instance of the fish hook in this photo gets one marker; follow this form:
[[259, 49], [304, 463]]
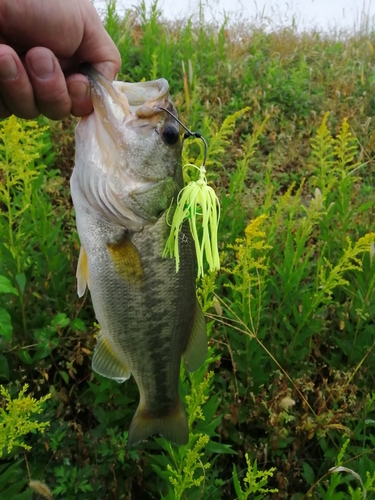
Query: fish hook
[[189, 133]]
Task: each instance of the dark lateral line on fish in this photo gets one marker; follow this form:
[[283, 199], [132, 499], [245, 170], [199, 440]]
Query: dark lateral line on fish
[[189, 133]]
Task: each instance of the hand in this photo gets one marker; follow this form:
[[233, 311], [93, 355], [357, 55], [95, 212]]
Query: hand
[[42, 43]]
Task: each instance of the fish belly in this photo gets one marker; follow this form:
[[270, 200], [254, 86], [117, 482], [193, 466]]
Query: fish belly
[[145, 309]]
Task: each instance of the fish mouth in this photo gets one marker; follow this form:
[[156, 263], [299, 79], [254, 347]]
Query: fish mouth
[[124, 101], [133, 146]]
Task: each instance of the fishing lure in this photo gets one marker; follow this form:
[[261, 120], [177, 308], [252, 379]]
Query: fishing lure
[[196, 200]]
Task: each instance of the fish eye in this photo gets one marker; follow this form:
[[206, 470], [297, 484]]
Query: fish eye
[[171, 135]]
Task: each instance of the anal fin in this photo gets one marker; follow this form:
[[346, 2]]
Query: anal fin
[[82, 273], [173, 426], [196, 350], [107, 364]]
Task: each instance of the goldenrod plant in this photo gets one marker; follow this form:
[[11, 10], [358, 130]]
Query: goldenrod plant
[[254, 481], [290, 314], [333, 479], [251, 270], [20, 146], [16, 421], [251, 259], [189, 468], [219, 140]]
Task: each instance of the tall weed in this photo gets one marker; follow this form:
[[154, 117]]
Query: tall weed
[[296, 266], [292, 345]]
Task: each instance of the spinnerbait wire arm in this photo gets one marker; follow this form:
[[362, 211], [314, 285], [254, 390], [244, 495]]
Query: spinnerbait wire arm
[[189, 133]]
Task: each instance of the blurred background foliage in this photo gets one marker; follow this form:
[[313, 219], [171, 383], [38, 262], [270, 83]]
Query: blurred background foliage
[[288, 390]]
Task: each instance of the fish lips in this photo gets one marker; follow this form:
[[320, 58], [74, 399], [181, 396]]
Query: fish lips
[[123, 100], [127, 108], [139, 144]]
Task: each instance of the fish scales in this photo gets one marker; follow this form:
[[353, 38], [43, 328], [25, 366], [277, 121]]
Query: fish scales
[[161, 304], [126, 177]]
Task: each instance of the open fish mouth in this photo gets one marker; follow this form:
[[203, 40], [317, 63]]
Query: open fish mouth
[[125, 100], [129, 150]]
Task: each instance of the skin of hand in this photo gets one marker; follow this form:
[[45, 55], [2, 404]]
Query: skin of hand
[[42, 43]]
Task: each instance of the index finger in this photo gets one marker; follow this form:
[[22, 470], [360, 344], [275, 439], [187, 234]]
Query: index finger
[[16, 91]]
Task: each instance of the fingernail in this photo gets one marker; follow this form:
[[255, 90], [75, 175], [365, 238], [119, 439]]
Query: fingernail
[[43, 67], [8, 68], [79, 90]]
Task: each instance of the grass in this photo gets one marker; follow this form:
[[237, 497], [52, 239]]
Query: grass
[[287, 393]]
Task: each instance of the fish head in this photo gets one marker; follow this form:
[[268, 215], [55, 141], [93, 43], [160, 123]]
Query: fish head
[[131, 147]]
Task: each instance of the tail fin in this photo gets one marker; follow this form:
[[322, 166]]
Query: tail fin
[[173, 427]]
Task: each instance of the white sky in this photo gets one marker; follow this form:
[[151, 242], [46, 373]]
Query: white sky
[[323, 14]]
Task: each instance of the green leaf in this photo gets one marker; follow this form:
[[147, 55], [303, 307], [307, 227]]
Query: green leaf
[[64, 376], [12, 482], [21, 280], [42, 352], [308, 473], [7, 474], [236, 484], [14, 492], [78, 324], [25, 356], [4, 367], [163, 473], [60, 320], [214, 447], [6, 328], [6, 286], [365, 207]]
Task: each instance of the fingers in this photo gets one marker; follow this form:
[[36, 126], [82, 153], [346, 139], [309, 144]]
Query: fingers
[[16, 92], [36, 83], [37, 86], [49, 84], [79, 91]]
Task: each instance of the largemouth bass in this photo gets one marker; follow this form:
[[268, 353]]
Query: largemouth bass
[[127, 174]]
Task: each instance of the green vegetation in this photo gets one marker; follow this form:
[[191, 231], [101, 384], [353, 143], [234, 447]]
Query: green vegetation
[[286, 400]]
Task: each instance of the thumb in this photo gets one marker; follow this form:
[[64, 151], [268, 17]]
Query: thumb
[[97, 47]]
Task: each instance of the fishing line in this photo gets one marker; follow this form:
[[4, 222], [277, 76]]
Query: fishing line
[[196, 200], [189, 133]]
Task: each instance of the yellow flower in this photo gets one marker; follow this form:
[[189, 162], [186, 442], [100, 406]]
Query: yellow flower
[[16, 419]]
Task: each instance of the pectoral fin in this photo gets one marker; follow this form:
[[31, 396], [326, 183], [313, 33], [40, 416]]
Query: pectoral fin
[[196, 350], [126, 260], [107, 364], [82, 273]]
